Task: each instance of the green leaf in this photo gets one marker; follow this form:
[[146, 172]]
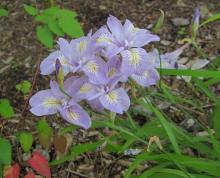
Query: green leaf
[[55, 28], [200, 84], [6, 110], [45, 133], [159, 23], [211, 19], [24, 86], [3, 12], [189, 72], [51, 11], [78, 150], [166, 126], [26, 141], [216, 120], [5, 152], [71, 26], [197, 164], [30, 10], [43, 18], [45, 36], [65, 13]]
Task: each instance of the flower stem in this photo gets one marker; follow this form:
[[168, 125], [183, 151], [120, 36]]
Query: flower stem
[[112, 117], [51, 2]]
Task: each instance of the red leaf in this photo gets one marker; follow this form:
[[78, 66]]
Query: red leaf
[[40, 164], [30, 174], [12, 171]]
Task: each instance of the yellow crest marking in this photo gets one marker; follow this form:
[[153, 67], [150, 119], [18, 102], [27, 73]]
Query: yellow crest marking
[[73, 115], [92, 67], [82, 46], [85, 88], [111, 72], [51, 102], [103, 38], [112, 97], [134, 58]]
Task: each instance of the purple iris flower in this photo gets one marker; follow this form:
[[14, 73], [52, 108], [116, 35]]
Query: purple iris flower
[[101, 63], [116, 37], [167, 60], [104, 93], [48, 65], [195, 21], [72, 55], [52, 101]]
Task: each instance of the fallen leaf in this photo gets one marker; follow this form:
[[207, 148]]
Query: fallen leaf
[[12, 171], [62, 144], [30, 174], [40, 164]]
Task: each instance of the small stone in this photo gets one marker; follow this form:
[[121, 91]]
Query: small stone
[[165, 42], [26, 156], [183, 60], [102, 7], [179, 21], [181, 3], [205, 13], [190, 123]]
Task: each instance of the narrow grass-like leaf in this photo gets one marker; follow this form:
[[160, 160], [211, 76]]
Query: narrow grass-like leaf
[[78, 150], [212, 81], [118, 128], [211, 19], [206, 91], [197, 164], [167, 92], [159, 23], [189, 72], [166, 126], [216, 120]]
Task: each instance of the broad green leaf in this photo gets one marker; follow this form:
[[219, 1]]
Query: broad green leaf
[[26, 141], [30, 10], [159, 23], [51, 11], [193, 73], [45, 133], [65, 13], [24, 86], [55, 28], [71, 26], [211, 19], [3, 12], [45, 36], [43, 18], [6, 110], [5, 152]]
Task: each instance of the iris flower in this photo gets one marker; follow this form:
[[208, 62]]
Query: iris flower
[[53, 100]]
